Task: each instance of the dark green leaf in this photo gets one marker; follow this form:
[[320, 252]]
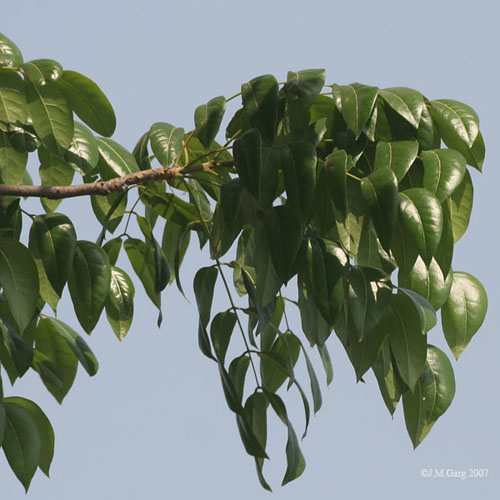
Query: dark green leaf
[[141, 153], [207, 120], [20, 352], [383, 369], [426, 311], [397, 155], [422, 217], [13, 106], [203, 285], [432, 396], [83, 154], [237, 372], [444, 170], [315, 389], [336, 167], [117, 159], [305, 85], [247, 151], [52, 240], [406, 102], [10, 55], [221, 330], [327, 363], [166, 142], [120, 302], [464, 311], [461, 206], [260, 102], [19, 280], [109, 209], [12, 161], [22, 443], [88, 101], [51, 115], [89, 283], [39, 71]]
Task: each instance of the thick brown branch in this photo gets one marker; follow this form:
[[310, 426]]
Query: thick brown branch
[[103, 188]]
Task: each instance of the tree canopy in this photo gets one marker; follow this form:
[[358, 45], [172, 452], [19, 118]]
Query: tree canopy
[[343, 202]]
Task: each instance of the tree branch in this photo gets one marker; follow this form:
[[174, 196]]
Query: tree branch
[[104, 188]]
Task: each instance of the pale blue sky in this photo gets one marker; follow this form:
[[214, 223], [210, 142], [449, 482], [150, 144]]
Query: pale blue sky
[[153, 423]]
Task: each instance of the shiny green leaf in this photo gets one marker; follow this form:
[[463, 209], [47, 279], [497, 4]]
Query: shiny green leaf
[[117, 159], [83, 154], [422, 217], [207, 120], [461, 206], [88, 101], [305, 85], [13, 106], [120, 302], [221, 330], [52, 239], [109, 210], [51, 115], [444, 170], [425, 309], [247, 151], [39, 71], [89, 283], [12, 162], [464, 311], [10, 55], [16, 347], [166, 142], [406, 102], [432, 396], [396, 155], [204, 283], [19, 280], [383, 369], [22, 443]]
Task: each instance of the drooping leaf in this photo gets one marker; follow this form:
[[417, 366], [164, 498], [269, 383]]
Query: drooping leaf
[[39, 71], [406, 102], [22, 444], [260, 102], [221, 330], [425, 309], [464, 311], [166, 142], [19, 280], [432, 396], [383, 369], [396, 155], [15, 347], [44, 427], [327, 363], [88, 101], [89, 283], [109, 210], [422, 217], [444, 170], [120, 302], [204, 282], [117, 159], [53, 241], [13, 106], [380, 191], [51, 115], [461, 206], [247, 150], [207, 120], [358, 101]]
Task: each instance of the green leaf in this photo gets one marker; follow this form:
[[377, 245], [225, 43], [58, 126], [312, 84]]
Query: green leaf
[[112, 248], [39, 71], [260, 102], [83, 154], [458, 124], [10, 55], [109, 209], [380, 192], [408, 343], [315, 389], [207, 120], [52, 239], [444, 253], [237, 373], [305, 85], [298, 161], [22, 444], [368, 298], [422, 217], [89, 283], [19, 280], [221, 330], [461, 206], [45, 431], [203, 284], [88, 101], [432, 396], [59, 356], [397, 155], [406, 102], [51, 115], [118, 160], [3, 419], [426, 311], [16, 347], [166, 142], [427, 133], [383, 369], [13, 106], [47, 292], [120, 302], [247, 151], [327, 363], [175, 242], [336, 167], [428, 281], [444, 170], [464, 311], [358, 101], [284, 235], [12, 162], [142, 259]]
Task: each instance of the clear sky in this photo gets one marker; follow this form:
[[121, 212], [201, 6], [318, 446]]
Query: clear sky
[[153, 423]]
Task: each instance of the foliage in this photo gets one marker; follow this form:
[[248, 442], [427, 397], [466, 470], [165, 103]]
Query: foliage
[[339, 200]]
